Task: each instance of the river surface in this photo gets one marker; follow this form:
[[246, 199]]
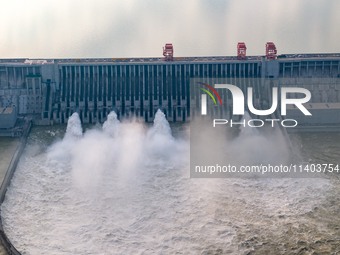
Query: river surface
[[124, 188]]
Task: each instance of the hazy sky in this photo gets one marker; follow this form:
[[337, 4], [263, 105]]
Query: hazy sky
[[98, 28]]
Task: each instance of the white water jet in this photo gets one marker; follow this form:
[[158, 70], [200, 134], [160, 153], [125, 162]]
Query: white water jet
[[112, 124], [74, 126], [161, 147], [62, 150], [160, 125]]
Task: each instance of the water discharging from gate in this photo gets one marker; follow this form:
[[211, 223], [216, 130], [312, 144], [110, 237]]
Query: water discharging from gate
[[125, 189]]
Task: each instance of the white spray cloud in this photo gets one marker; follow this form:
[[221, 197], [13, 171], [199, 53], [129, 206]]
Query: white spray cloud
[[124, 149], [254, 147]]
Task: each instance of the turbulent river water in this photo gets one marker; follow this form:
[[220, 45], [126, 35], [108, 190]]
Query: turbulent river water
[[124, 188]]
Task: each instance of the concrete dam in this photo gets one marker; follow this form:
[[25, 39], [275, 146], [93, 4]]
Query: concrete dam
[[52, 89]]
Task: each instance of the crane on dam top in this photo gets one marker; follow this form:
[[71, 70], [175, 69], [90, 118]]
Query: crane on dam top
[[270, 50], [168, 52], [241, 50]]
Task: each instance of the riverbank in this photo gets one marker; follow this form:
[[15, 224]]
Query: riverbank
[[8, 146], [6, 176]]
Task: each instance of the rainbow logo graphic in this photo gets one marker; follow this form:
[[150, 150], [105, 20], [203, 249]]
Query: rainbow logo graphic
[[209, 93]]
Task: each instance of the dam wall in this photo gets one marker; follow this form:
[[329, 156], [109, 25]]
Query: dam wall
[[53, 89]]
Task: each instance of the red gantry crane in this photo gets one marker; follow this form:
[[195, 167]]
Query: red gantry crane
[[241, 50], [168, 52], [270, 50]]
